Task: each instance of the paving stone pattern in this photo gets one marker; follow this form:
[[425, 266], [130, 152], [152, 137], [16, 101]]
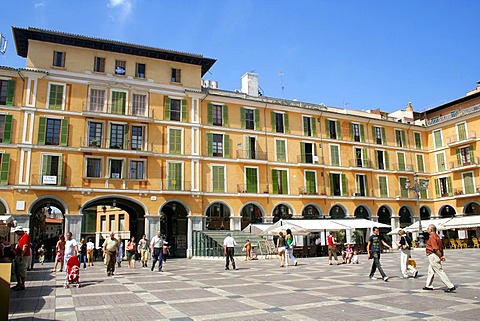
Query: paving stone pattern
[[259, 290]]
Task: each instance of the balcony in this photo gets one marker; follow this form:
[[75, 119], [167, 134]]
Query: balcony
[[105, 143], [360, 163], [453, 141], [105, 110], [455, 166], [401, 167], [249, 154], [310, 159], [305, 191], [48, 180], [262, 188], [175, 185]]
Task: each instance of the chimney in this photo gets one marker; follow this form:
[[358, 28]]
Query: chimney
[[409, 107], [476, 90], [250, 84]]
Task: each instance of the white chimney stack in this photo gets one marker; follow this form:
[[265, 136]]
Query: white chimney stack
[[250, 84]]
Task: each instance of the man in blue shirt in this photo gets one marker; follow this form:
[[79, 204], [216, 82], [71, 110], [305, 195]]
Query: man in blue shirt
[[373, 251]]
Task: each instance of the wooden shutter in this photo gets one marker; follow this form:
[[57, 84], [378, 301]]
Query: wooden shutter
[[339, 130], [242, 117], [351, 131], [459, 158], [226, 146], [225, 116], [210, 144], [42, 127], [366, 186], [382, 181], [471, 150], [257, 119], [362, 133], [306, 121], [387, 160], [314, 127], [10, 93], [46, 165], [449, 185], [4, 169], [184, 110], [302, 152], [125, 136], [327, 127], [286, 123], [384, 137], [437, 187], [404, 140], [284, 182], [167, 108], [64, 132], [60, 171], [365, 159], [274, 121], [330, 179], [344, 185], [275, 181], [7, 130]]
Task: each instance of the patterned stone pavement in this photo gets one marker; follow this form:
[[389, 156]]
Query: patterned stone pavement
[[259, 290]]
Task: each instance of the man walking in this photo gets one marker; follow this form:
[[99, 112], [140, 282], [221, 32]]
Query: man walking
[[229, 250], [143, 250], [70, 247], [373, 251], [156, 246], [332, 248], [434, 251], [22, 253], [110, 252]]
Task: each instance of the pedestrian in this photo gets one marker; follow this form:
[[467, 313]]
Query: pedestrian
[[229, 250], [165, 250], [90, 252], [281, 248], [82, 252], [120, 252], [70, 247], [289, 244], [143, 250], [156, 247], [22, 253], [247, 247], [59, 253], [405, 246], [131, 249], [332, 248], [41, 254], [110, 252], [434, 251], [373, 251]]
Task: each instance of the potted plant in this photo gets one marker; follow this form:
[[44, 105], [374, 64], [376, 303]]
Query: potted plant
[[93, 143]]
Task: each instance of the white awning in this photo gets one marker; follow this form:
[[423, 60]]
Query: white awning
[[439, 223], [6, 219], [257, 228], [360, 223], [470, 221]]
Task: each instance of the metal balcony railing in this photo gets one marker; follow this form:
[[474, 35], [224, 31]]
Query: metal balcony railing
[[307, 191], [458, 139], [249, 154], [245, 188], [127, 110], [358, 162], [402, 167], [105, 143], [310, 159]]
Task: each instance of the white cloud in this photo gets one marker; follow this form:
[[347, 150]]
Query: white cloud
[[39, 4], [124, 6]]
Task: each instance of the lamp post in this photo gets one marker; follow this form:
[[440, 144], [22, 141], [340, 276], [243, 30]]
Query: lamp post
[[417, 188]]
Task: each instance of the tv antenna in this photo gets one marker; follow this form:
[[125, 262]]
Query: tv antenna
[[3, 44], [280, 73]]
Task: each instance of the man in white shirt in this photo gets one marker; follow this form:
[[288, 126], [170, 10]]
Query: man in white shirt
[[156, 246], [70, 247], [229, 249], [90, 249]]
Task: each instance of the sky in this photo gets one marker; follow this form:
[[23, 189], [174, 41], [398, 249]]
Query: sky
[[349, 54]]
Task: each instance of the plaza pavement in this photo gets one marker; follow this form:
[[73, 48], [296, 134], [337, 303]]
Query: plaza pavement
[[259, 290]]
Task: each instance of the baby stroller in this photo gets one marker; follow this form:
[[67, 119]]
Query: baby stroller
[[73, 272]]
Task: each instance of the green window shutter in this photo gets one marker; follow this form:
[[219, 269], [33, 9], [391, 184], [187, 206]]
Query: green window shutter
[[174, 176], [404, 141], [351, 131], [438, 138], [46, 165], [330, 179], [55, 100], [327, 127], [225, 116], [418, 142], [366, 186], [42, 128], [218, 179], [305, 125], [315, 152], [7, 130], [302, 151], [274, 121], [175, 141], [387, 161], [449, 185], [251, 178], [335, 155], [226, 146], [60, 171], [401, 161], [462, 134], [286, 123], [64, 132], [384, 137], [210, 114], [311, 186], [125, 136], [275, 181], [423, 194], [257, 119], [468, 182], [184, 110], [314, 127], [420, 165], [167, 108], [471, 150], [440, 162], [437, 187], [10, 93], [4, 169], [382, 181], [403, 190], [344, 185], [459, 159], [365, 157], [118, 102], [242, 117], [210, 144], [281, 151], [339, 131], [362, 133], [284, 182], [247, 147]]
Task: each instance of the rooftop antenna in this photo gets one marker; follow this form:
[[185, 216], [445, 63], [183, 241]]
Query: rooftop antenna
[[280, 73], [345, 103], [3, 44]]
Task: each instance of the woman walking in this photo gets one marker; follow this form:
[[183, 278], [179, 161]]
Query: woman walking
[[120, 252], [82, 251], [131, 246], [289, 244], [281, 248], [405, 246], [60, 253]]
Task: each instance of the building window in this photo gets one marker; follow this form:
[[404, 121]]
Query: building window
[[468, 183], [420, 164], [380, 159], [279, 125], [55, 97], [176, 75], [307, 151], [121, 222], [116, 168], [443, 186], [3, 92], [250, 147], [418, 140], [139, 105], [175, 109], [400, 137], [175, 141], [437, 138], [218, 145], [119, 102], [358, 157], [333, 129], [137, 138], [137, 169], [111, 219], [117, 135], [310, 182], [52, 169], [338, 184], [382, 183], [361, 181], [309, 127], [5, 128], [379, 133], [251, 178], [94, 167], [95, 133], [280, 181], [140, 70], [401, 161], [403, 191], [99, 64], [58, 59], [441, 162], [52, 136], [52, 131], [217, 140], [335, 155], [120, 67], [174, 176], [281, 150], [462, 131], [103, 223], [217, 115], [356, 132], [97, 100], [250, 118], [465, 156], [218, 179]]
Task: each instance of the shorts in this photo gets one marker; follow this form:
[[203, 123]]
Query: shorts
[[281, 249], [89, 254], [20, 266], [130, 255]]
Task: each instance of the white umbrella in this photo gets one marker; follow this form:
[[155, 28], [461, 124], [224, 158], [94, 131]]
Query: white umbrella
[[282, 228]]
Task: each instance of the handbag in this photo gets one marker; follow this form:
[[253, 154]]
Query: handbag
[[405, 246]]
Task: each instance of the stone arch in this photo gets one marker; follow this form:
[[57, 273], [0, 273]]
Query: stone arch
[[309, 207], [472, 208], [406, 215], [363, 211], [4, 209], [338, 211], [447, 211], [251, 213], [277, 213], [384, 214], [425, 212], [218, 217]]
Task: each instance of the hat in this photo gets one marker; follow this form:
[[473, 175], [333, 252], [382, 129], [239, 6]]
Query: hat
[[19, 229]]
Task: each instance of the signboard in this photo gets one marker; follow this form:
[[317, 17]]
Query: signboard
[[49, 180], [119, 70], [181, 241]]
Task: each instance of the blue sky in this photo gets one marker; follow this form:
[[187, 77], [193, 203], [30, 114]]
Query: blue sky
[[358, 54]]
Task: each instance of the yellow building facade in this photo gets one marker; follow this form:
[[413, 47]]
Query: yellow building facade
[[92, 123]]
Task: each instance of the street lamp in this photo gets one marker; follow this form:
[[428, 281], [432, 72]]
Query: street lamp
[[417, 188]]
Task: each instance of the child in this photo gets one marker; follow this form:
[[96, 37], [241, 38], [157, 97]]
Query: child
[[355, 257], [348, 254], [41, 254]]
